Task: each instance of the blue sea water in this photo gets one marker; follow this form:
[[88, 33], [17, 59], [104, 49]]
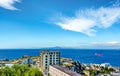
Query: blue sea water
[[82, 55]]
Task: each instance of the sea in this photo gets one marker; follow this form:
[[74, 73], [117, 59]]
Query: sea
[[87, 56]]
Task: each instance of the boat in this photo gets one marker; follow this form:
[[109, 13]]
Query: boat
[[96, 54]]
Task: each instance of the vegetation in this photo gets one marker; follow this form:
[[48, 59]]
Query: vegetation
[[107, 70], [94, 72], [20, 70]]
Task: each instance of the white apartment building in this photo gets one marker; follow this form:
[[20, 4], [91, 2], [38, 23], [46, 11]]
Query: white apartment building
[[49, 58]]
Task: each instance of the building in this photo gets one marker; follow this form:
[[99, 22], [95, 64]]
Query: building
[[49, 58], [28, 61], [56, 70], [6, 63]]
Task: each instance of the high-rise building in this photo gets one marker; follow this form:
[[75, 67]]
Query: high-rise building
[[49, 58]]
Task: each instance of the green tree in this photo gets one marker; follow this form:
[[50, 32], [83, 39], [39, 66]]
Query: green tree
[[20, 70]]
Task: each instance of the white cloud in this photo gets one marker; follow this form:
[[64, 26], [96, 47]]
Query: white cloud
[[117, 3], [86, 21], [109, 44], [8, 4]]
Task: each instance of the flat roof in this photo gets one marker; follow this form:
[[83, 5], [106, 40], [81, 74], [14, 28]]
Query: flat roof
[[6, 62], [49, 51], [71, 73]]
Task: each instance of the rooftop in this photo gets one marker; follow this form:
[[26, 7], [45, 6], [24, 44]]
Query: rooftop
[[6, 62], [49, 51], [71, 73]]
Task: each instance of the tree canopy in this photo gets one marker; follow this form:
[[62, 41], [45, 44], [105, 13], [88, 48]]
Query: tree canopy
[[20, 70]]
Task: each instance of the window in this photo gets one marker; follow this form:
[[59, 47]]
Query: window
[[46, 56], [57, 52], [51, 53]]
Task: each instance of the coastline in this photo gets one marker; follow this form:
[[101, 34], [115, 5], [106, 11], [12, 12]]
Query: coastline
[[82, 55]]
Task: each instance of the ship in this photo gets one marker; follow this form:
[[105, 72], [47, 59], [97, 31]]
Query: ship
[[97, 54]]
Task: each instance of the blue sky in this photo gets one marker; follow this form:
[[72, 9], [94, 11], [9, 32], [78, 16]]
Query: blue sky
[[63, 23]]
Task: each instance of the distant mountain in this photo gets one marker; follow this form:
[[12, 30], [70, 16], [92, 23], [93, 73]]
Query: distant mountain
[[56, 47]]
